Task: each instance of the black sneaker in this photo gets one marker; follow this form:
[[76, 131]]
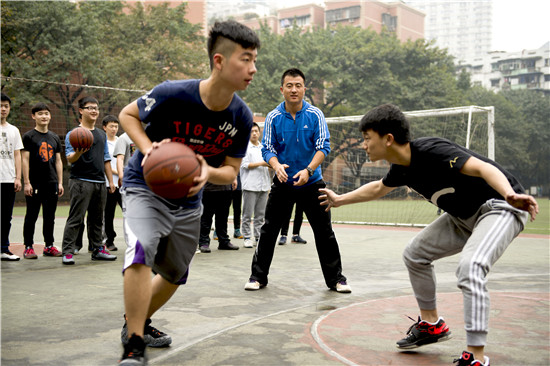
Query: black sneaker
[[422, 333], [100, 254], [297, 239], [205, 249], [228, 246], [467, 359], [152, 336], [134, 352]]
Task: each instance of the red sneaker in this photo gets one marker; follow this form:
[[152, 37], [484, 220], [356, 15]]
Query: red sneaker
[[29, 254], [51, 252], [422, 332], [467, 359]]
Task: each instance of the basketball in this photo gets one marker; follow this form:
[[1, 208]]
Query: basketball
[[169, 170], [81, 138]]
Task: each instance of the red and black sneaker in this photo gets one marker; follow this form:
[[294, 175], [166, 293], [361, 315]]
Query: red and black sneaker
[[422, 333], [467, 359]]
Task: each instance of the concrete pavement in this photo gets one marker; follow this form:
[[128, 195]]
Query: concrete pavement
[[72, 315]]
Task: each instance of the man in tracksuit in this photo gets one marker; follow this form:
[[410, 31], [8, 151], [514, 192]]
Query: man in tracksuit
[[295, 142]]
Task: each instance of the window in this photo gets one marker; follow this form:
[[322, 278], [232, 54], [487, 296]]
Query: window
[[341, 14], [389, 21], [300, 21]]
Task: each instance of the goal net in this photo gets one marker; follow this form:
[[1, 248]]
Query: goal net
[[347, 167]]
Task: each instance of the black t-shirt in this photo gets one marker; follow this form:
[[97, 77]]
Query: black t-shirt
[[434, 173], [90, 166], [42, 148]]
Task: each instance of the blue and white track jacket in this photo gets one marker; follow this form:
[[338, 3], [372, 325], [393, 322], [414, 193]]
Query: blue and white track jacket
[[295, 142]]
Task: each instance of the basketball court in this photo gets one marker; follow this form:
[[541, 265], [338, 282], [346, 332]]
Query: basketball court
[[72, 315]]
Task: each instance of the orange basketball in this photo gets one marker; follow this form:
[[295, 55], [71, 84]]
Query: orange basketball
[[81, 138], [169, 170]]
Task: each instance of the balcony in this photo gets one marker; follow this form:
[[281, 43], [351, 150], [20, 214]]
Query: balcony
[[524, 71]]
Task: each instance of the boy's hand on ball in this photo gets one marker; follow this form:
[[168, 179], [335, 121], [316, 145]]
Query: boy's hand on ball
[[154, 145], [200, 180]]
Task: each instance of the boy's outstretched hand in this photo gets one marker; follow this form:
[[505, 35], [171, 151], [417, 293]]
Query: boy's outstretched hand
[[328, 198], [524, 202]]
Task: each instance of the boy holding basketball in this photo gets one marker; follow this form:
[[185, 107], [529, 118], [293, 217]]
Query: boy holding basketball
[[87, 186], [486, 208], [162, 234]]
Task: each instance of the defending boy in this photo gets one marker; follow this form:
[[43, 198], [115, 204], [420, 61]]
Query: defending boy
[[486, 208], [161, 234]]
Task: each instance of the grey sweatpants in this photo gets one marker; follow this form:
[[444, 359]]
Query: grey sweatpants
[[253, 205], [482, 239]]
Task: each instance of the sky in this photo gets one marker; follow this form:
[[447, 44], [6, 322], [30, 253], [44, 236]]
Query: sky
[[517, 24]]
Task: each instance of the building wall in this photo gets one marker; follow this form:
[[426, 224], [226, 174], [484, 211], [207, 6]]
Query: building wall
[[306, 16], [406, 22], [410, 22], [196, 10], [255, 23]]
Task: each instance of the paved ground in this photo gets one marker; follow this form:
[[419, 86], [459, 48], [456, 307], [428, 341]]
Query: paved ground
[[58, 315]]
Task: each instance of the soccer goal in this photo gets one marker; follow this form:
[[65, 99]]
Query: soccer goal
[[347, 167]]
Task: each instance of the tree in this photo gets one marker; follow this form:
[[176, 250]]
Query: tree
[[96, 43], [48, 41], [533, 113], [522, 133], [350, 70]]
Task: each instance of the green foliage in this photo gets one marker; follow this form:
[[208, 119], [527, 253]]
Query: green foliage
[[96, 43], [350, 70]]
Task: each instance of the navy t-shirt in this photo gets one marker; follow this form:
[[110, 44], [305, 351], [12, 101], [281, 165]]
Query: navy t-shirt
[[174, 110], [434, 173]]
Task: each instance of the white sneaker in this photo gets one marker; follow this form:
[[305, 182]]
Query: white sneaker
[[343, 287], [9, 256], [252, 285], [248, 243]]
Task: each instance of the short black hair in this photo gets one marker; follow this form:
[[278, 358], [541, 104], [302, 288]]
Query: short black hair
[[293, 72], [230, 30], [5, 98], [254, 124], [85, 100], [385, 119], [109, 118], [40, 107]]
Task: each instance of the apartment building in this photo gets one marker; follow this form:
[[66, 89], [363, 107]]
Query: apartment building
[[463, 27], [526, 69], [406, 22]]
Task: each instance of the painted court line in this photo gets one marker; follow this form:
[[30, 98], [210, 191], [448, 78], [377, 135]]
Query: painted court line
[[176, 350]]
